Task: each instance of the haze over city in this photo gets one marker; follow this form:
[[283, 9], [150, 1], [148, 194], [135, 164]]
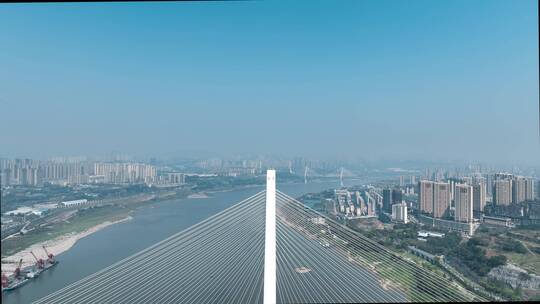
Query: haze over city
[[350, 79], [374, 151]]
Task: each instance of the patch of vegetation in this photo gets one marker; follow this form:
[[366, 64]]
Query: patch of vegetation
[[470, 253], [509, 245], [479, 241], [514, 244], [442, 246], [474, 257]]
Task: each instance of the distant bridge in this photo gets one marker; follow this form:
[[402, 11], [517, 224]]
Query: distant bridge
[[221, 260]]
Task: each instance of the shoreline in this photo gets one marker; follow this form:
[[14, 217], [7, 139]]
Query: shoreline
[[55, 246], [64, 242], [198, 195]]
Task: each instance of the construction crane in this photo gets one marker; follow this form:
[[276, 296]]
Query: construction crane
[[39, 262], [17, 272], [5, 281], [50, 256]]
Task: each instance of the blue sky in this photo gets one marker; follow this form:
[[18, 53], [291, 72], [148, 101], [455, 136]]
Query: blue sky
[[366, 79]]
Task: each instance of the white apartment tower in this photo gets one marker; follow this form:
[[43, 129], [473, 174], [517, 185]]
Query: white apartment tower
[[479, 196], [399, 212], [529, 189]]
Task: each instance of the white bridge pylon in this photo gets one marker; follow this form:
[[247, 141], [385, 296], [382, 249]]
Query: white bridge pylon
[[270, 270]]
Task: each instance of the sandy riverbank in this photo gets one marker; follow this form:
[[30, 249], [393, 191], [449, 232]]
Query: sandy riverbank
[[198, 195], [55, 246]]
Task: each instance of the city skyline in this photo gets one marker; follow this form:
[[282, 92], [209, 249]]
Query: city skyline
[[260, 77], [270, 151]]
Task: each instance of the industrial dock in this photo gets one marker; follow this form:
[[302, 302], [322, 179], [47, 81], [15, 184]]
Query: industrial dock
[[21, 275]]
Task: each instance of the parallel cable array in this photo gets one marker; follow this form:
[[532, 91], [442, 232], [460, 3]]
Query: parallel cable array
[[217, 260], [401, 279], [221, 260]]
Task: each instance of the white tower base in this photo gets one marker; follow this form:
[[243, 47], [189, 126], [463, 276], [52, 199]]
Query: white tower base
[[270, 271]]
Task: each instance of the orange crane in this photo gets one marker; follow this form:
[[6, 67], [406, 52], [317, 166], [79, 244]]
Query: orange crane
[[17, 272], [39, 262], [50, 256], [5, 281]]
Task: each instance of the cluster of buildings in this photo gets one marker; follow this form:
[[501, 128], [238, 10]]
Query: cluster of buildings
[[176, 178], [124, 173], [457, 204], [392, 203], [370, 203], [232, 167], [436, 200], [42, 208], [354, 204], [29, 172], [298, 166], [391, 197], [511, 189]]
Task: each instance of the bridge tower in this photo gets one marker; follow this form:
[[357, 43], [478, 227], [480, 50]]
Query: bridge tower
[[270, 260]]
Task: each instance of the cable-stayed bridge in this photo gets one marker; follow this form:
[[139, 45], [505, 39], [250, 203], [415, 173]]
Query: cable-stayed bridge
[[222, 260]]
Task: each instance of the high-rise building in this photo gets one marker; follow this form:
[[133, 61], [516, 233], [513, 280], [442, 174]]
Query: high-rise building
[[397, 196], [370, 203], [176, 178], [399, 212], [425, 196], [387, 200], [479, 196], [502, 175], [464, 203], [502, 191], [413, 180], [441, 199], [28, 176], [427, 173], [519, 185], [343, 198], [537, 189], [489, 184], [529, 189], [377, 200], [452, 182]]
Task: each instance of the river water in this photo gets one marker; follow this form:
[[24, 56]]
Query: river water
[[150, 224]]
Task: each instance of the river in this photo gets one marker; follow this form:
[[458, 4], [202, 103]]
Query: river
[[150, 224]]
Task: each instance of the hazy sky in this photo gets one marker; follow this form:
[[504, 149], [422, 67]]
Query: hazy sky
[[367, 79]]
